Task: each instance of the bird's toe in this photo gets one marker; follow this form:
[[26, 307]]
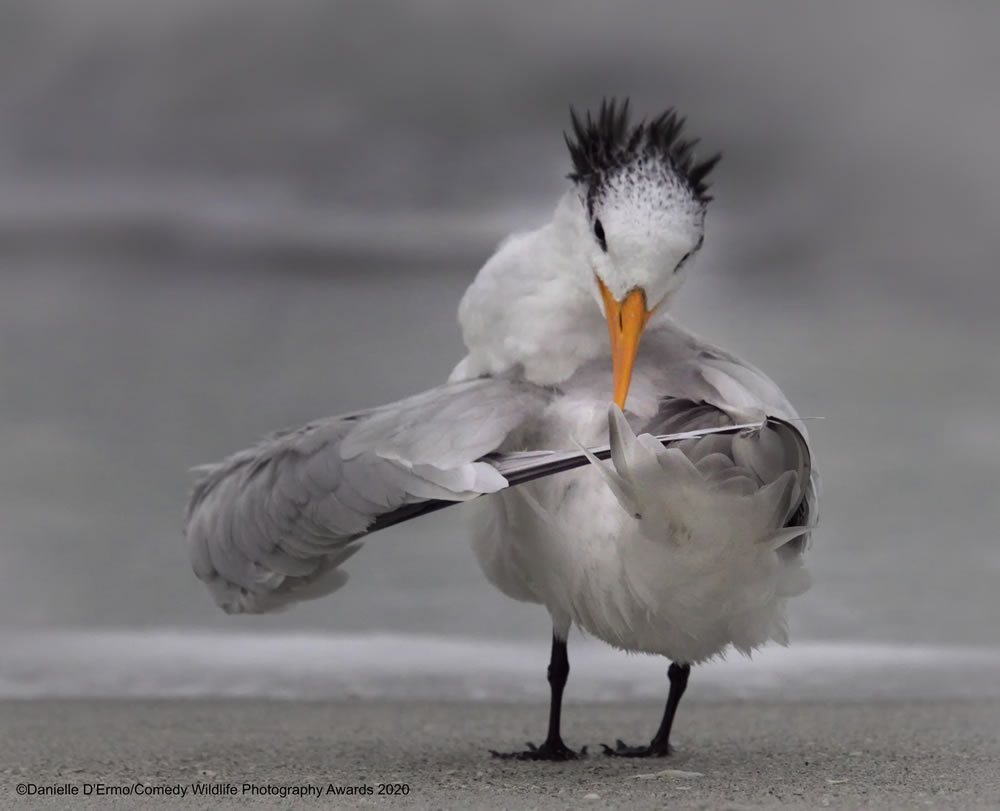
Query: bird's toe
[[624, 750]]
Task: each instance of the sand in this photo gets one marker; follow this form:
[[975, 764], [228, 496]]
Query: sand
[[731, 755]]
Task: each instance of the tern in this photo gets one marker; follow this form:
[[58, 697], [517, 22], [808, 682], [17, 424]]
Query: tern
[[687, 544]]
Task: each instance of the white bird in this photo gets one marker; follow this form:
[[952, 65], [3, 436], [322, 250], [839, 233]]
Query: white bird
[[682, 551]]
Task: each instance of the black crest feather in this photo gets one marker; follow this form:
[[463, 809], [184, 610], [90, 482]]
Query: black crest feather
[[598, 146]]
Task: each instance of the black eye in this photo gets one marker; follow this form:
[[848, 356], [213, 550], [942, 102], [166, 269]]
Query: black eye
[[599, 233]]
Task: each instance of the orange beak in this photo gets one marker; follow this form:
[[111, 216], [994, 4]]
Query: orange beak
[[626, 320]]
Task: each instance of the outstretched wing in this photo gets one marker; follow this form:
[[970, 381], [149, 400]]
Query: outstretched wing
[[272, 524]]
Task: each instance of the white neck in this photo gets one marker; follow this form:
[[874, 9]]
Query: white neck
[[533, 305]]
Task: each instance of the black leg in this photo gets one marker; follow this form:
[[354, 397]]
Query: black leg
[[660, 745], [553, 748]]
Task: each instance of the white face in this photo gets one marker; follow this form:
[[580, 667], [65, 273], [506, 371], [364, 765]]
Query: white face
[[642, 226]]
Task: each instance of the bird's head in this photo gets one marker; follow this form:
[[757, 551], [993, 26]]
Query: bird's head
[[642, 198]]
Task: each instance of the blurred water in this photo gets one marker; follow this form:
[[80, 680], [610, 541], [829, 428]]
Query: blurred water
[[223, 217], [188, 664]]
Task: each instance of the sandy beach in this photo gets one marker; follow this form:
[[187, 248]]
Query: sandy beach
[[731, 755]]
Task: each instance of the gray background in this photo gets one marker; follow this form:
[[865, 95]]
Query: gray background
[[226, 216]]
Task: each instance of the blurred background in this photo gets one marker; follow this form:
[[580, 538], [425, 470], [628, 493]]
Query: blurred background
[[221, 217]]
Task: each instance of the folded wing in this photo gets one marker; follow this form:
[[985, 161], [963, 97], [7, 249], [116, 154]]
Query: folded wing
[[773, 461]]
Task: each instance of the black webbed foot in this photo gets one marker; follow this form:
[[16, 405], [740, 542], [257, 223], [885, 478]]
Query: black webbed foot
[[547, 751], [652, 750]]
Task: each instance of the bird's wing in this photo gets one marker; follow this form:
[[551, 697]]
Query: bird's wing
[[273, 523], [722, 511], [745, 461], [699, 386], [683, 365]]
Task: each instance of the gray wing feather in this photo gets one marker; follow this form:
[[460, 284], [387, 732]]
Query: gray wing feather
[[747, 460], [271, 524]]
